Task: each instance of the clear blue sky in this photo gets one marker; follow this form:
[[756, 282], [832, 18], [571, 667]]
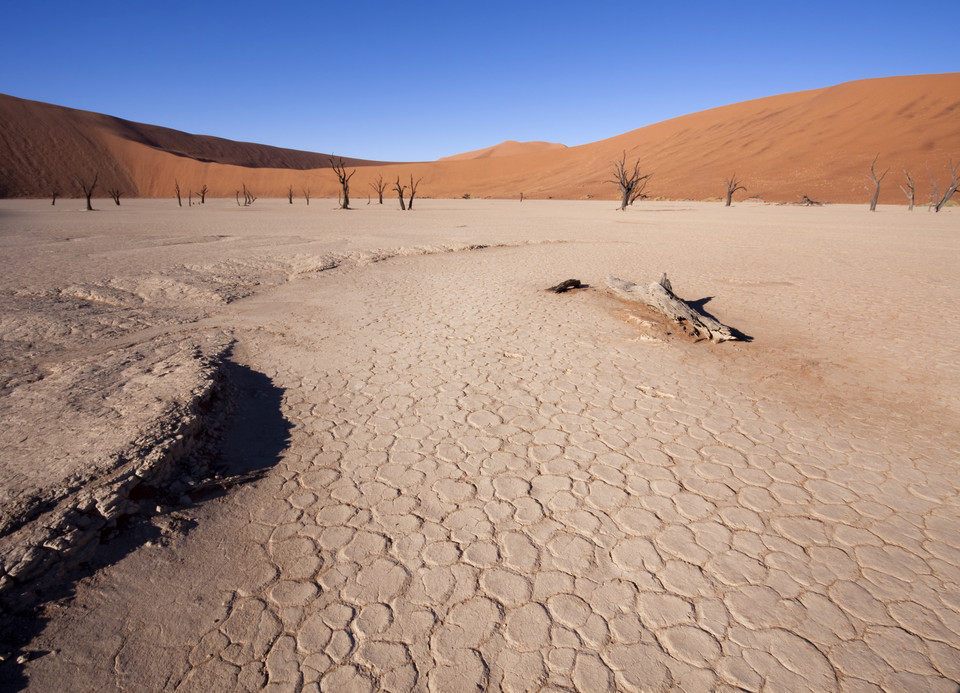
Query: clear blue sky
[[405, 81]]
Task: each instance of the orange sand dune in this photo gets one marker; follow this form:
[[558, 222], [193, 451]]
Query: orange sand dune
[[817, 143]]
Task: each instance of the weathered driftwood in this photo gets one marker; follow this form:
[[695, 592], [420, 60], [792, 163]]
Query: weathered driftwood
[[566, 286], [661, 298]]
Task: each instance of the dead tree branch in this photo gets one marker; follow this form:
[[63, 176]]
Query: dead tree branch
[[630, 184], [938, 201], [661, 298], [400, 188], [344, 178], [413, 190], [88, 188], [306, 195], [203, 194], [379, 186], [176, 185], [910, 191], [876, 183], [115, 193], [733, 185]]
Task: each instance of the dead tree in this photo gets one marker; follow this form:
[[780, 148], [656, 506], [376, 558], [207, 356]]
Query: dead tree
[[876, 183], [248, 197], [88, 188], [115, 193], [733, 185], [413, 190], [399, 189], [379, 185], [306, 195], [809, 202], [938, 201], [238, 198], [203, 194], [910, 190], [630, 184], [290, 195], [176, 185], [660, 297], [56, 194], [344, 178]]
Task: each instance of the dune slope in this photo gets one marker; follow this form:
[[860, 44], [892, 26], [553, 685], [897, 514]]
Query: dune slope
[[818, 143]]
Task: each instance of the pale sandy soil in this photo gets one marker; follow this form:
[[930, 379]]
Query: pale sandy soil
[[472, 483]]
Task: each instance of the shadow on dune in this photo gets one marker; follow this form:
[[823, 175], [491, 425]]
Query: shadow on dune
[[253, 438]]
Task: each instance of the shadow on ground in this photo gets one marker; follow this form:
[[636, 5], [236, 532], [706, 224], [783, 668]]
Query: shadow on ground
[[253, 437], [698, 306]]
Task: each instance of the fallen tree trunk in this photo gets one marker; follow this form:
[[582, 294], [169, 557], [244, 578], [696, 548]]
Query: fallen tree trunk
[[661, 298]]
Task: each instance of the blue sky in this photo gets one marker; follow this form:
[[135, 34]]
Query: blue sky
[[408, 81]]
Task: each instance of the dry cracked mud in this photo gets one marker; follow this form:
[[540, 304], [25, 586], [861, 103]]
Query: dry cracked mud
[[478, 485]]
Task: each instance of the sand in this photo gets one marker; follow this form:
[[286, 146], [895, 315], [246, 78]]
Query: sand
[[472, 483]]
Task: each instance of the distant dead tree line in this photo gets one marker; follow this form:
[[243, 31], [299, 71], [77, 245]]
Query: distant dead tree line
[[630, 181]]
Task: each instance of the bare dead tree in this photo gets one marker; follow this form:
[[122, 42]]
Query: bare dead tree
[[938, 201], [203, 194], [521, 197], [248, 197], [238, 198], [88, 188], [290, 194], [344, 178], [176, 185], [910, 190], [115, 193], [413, 190], [733, 185], [630, 184], [56, 194], [190, 198], [809, 202], [306, 195], [876, 183], [400, 188], [379, 186]]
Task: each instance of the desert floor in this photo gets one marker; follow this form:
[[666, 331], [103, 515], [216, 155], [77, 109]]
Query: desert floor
[[470, 483]]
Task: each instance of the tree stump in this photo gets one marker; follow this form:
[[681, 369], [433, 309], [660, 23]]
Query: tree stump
[[660, 297], [566, 286]]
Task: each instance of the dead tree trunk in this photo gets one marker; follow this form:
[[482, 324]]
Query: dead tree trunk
[[661, 298], [938, 201], [306, 195], [379, 186], [733, 185], [876, 183], [344, 178], [88, 189], [56, 194], [400, 188], [203, 194], [290, 195], [630, 184], [238, 198], [910, 190], [248, 197], [176, 185], [413, 190], [115, 195]]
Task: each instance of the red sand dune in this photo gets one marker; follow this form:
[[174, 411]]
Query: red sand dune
[[817, 143]]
